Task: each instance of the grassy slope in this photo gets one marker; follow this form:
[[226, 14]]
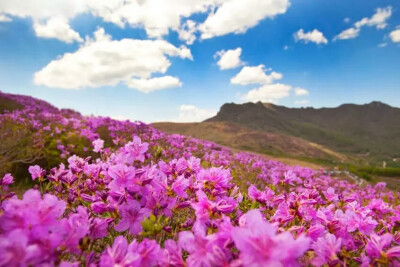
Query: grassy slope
[[232, 135], [369, 133]]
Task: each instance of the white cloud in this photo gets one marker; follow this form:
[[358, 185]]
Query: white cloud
[[255, 75], [346, 20], [314, 36], [229, 59], [395, 36], [378, 20], [382, 45], [300, 91], [301, 102], [347, 34], [102, 62], [268, 93], [4, 18], [191, 113], [50, 16], [187, 32], [152, 84], [236, 16], [43, 9], [57, 28], [157, 17]]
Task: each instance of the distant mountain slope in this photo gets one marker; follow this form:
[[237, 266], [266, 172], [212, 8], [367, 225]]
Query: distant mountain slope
[[239, 137], [371, 131]]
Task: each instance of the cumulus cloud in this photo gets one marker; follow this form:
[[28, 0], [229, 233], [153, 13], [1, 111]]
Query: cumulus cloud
[[314, 36], [269, 90], [187, 32], [255, 75], [236, 16], [57, 28], [300, 91], [4, 18], [347, 34], [102, 61], [378, 20], [157, 17], [268, 93], [152, 84], [191, 113], [229, 59], [395, 36]]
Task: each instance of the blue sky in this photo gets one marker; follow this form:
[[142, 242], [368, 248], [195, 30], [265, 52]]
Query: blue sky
[[291, 54]]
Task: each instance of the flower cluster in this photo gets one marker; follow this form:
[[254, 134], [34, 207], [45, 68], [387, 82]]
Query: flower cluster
[[140, 197]]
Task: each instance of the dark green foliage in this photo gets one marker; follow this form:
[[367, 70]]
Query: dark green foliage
[[8, 104]]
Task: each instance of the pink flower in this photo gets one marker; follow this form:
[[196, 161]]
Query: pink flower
[[260, 245], [172, 254], [180, 185], [393, 252], [134, 150], [98, 228], [98, 145], [117, 254], [132, 216], [122, 175], [367, 225], [218, 177], [6, 180], [15, 250], [146, 254], [36, 171], [203, 250], [330, 195], [377, 244], [326, 248]]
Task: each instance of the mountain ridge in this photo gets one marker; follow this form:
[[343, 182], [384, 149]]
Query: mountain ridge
[[368, 132]]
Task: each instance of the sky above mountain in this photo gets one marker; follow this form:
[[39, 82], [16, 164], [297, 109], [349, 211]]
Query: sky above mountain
[[180, 60]]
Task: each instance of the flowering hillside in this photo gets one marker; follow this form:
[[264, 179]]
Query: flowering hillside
[[125, 194]]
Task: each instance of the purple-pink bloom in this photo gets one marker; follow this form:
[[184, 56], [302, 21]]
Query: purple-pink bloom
[[98, 227], [367, 225], [98, 145], [260, 245], [393, 252], [204, 251], [15, 250], [146, 253], [36, 171], [180, 185], [377, 244], [117, 254], [123, 177], [99, 207], [326, 248], [219, 178], [6, 180], [330, 195], [132, 216], [172, 254], [134, 150]]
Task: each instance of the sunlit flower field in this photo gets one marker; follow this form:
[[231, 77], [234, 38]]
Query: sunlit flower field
[[126, 194]]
